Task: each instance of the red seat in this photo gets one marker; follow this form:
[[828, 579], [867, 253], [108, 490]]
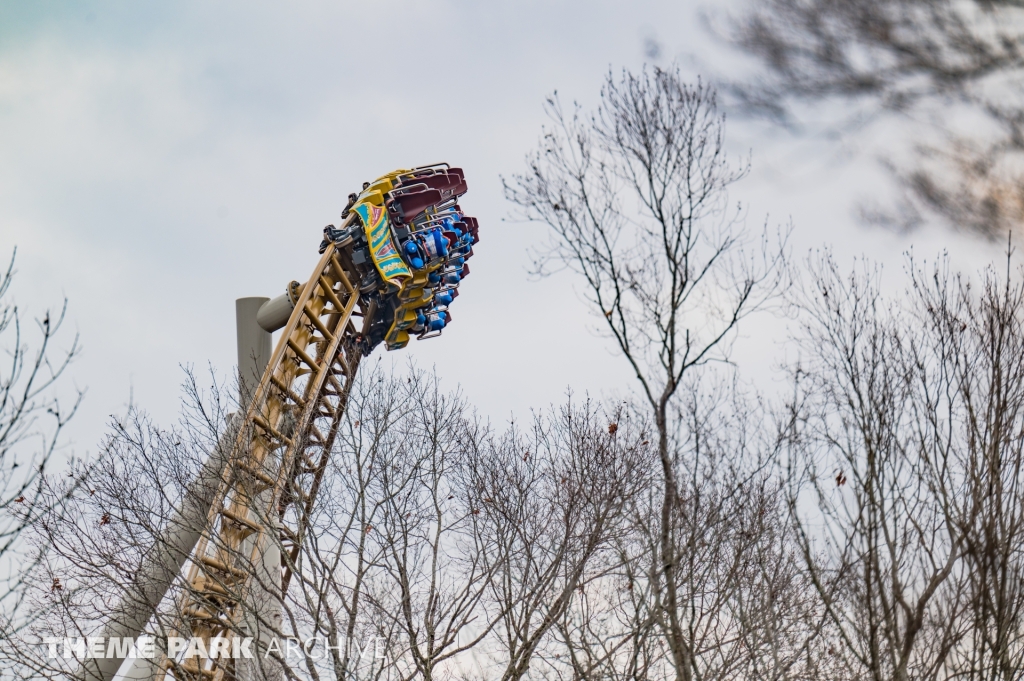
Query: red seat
[[448, 185], [474, 227], [405, 207]]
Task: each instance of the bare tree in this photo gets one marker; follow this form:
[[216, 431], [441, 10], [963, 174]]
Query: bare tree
[[435, 573], [636, 197], [748, 614], [552, 500], [429, 553], [939, 62], [100, 519], [753, 618], [904, 455], [985, 355], [391, 575], [32, 418]]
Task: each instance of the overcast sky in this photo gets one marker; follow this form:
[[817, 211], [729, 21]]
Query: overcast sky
[[160, 159]]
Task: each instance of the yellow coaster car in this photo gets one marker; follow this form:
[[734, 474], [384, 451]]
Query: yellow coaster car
[[410, 240]]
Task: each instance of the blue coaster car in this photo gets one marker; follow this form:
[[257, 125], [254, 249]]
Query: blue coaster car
[[408, 237]]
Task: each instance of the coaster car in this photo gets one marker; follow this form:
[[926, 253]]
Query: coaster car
[[410, 240]]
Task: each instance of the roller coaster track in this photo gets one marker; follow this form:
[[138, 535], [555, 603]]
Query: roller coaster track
[[396, 263], [268, 488]]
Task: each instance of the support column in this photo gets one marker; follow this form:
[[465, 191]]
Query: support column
[[253, 347], [170, 551]]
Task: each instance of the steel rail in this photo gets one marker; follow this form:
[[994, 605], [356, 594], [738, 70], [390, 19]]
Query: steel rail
[[269, 486]]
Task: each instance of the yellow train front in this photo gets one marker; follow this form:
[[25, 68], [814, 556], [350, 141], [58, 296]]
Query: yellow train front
[[411, 241]]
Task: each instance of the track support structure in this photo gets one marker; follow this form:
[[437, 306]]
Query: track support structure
[[267, 489]]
